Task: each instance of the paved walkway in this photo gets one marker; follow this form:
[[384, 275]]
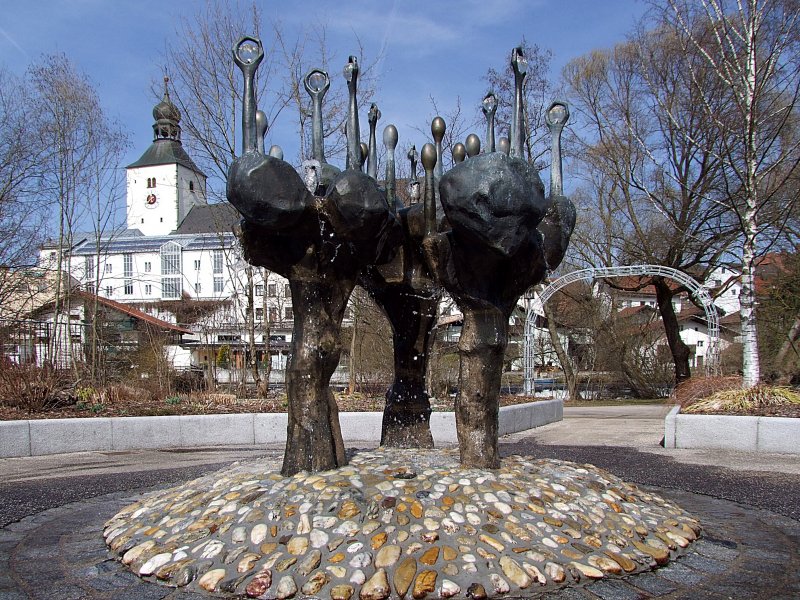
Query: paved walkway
[[52, 510]]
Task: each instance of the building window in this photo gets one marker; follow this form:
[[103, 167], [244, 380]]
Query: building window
[[89, 266], [259, 289], [197, 288], [219, 286], [128, 287], [108, 267], [170, 259], [273, 314], [288, 313], [170, 288], [109, 291], [699, 343], [272, 290], [127, 265], [148, 289], [90, 287], [259, 314], [191, 186], [148, 266], [197, 265], [287, 291], [217, 261]]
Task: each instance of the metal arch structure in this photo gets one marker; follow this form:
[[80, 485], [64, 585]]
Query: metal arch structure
[[700, 294]]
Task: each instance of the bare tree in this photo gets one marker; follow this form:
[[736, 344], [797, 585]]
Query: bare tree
[[750, 47], [21, 218], [81, 146], [652, 173]]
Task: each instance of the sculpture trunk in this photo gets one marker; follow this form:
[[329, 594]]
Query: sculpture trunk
[[406, 417], [314, 437], [482, 345]]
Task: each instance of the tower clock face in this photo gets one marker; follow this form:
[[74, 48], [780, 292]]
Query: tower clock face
[[151, 200]]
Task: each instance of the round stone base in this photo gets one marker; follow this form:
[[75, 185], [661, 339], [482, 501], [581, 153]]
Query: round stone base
[[397, 523]]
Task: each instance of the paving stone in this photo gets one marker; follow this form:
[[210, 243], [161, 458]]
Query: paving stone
[[716, 549], [616, 590], [703, 563], [653, 584], [680, 574]]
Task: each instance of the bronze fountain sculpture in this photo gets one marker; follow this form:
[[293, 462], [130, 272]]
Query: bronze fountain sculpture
[[485, 233]]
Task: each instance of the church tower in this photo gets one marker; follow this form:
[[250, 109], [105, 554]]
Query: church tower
[[164, 184]]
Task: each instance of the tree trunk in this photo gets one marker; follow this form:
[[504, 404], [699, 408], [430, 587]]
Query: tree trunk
[[751, 370], [570, 377], [482, 345], [314, 438], [252, 359], [788, 343], [680, 351]]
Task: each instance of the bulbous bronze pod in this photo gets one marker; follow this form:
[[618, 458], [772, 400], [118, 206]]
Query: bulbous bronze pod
[[390, 137], [428, 157], [459, 153], [473, 145], [438, 129], [504, 145]]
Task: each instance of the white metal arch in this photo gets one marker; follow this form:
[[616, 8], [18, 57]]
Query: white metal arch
[[700, 294]]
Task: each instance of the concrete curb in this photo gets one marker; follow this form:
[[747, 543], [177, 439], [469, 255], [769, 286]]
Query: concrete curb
[[722, 432], [59, 436]]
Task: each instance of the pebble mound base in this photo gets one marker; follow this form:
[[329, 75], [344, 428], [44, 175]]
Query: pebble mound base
[[401, 524]]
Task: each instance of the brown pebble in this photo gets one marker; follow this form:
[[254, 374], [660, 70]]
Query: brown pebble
[[430, 556], [424, 584]]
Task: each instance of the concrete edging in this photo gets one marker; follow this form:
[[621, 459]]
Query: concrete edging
[[58, 436], [723, 432]]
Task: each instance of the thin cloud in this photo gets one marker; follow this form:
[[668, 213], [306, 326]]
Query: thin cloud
[[14, 43]]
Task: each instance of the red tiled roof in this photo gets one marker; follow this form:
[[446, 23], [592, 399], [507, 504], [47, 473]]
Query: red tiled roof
[[133, 312]]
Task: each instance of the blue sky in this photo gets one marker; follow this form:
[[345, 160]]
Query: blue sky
[[430, 49]]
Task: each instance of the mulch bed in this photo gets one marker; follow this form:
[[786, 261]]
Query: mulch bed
[[765, 411], [143, 406]]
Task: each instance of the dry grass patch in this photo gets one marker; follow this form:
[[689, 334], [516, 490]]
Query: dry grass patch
[[762, 400]]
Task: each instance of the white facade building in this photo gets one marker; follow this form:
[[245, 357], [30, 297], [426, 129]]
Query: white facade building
[[177, 247]]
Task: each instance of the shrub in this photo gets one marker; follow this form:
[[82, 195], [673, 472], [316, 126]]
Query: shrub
[[697, 388], [33, 388], [745, 400]]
